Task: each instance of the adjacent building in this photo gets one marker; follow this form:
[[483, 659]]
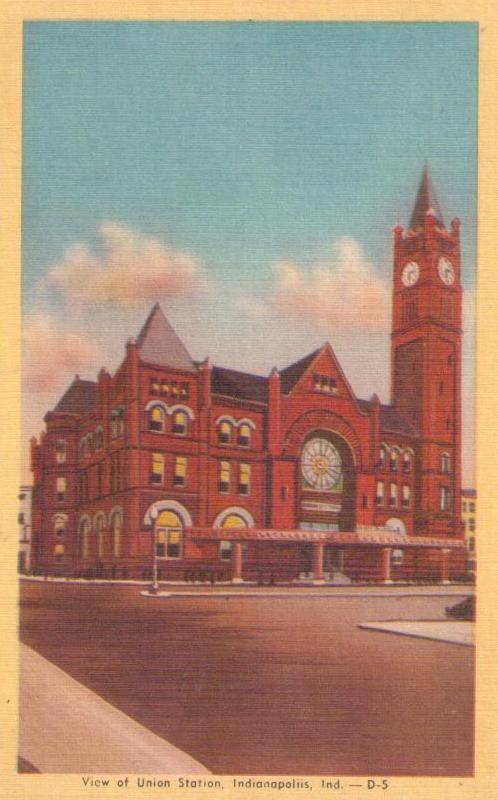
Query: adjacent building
[[469, 515], [212, 473]]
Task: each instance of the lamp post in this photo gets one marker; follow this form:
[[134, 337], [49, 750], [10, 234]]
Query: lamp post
[[154, 587]]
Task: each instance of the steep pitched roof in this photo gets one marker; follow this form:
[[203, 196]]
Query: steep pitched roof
[[80, 398], [240, 385], [390, 419], [426, 201], [157, 343], [291, 374]]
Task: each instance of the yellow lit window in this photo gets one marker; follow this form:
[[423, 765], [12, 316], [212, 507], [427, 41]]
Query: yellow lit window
[[406, 496], [157, 468], [224, 432], [156, 419], [224, 479], [169, 535], [180, 475], [244, 478], [244, 437], [180, 423]]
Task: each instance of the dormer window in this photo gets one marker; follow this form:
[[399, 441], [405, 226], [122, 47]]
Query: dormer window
[[184, 391], [154, 386], [165, 388], [174, 389]]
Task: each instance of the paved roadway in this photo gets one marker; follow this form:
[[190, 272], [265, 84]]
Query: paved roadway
[[267, 685]]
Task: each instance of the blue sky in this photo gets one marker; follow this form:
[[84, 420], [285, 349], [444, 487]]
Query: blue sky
[[242, 147]]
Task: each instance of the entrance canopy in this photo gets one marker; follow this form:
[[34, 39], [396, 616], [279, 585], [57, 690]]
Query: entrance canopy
[[381, 537]]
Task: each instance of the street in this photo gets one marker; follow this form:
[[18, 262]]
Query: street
[[268, 685]]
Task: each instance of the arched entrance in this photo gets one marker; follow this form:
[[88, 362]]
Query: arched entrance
[[169, 535]]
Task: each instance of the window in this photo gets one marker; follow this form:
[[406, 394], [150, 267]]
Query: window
[[61, 486], [323, 383], [59, 552], [99, 439], [60, 523], [180, 475], [464, 506], [180, 423], [393, 497], [406, 496], [156, 419], [225, 551], [394, 461], [445, 499], [224, 432], [154, 386], [169, 535], [397, 557], [20, 518], [100, 480], [244, 478], [382, 457], [117, 423], [224, 477], [407, 463], [184, 391], [174, 389], [472, 545], [60, 451], [157, 468], [244, 435], [99, 530], [445, 463], [472, 524], [379, 494], [116, 526], [165, 388], [472, 508]]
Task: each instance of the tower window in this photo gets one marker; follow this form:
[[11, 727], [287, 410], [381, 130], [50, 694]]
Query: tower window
[[393, 498], [445, 499], [60, 451], [445, 463], [61, 489]]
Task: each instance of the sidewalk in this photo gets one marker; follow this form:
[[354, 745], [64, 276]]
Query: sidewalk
[[66, 728], [451, 631]]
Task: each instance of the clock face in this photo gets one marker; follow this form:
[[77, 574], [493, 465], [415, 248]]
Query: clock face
[[446, 271], [320, 464], [410, 274]]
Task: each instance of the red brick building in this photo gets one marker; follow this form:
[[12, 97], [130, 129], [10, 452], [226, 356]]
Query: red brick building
[[211, 473]]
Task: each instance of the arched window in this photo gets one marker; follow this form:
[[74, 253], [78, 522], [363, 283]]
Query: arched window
[[394, 460], [99, 439], [180, 422], [99, 525], [407, 462], [84, 537], [224, 432], [244, 435], [169, 535], [60, 524], [116, 528], [156, 419], [382, 456], [445, 463]]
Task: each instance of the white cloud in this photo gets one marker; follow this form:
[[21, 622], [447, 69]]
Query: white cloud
[[344, 293], [127, 268]]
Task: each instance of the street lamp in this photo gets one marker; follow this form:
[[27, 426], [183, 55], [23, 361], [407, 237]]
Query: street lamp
[[154, 587]]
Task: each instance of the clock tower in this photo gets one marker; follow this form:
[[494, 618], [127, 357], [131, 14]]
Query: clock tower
[[426, 356]]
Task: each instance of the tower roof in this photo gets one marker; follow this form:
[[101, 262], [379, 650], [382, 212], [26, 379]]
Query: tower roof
[[426, 201], [157, 343]]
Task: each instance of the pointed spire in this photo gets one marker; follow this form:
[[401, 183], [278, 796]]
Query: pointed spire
[[426, 202], [158, 343]]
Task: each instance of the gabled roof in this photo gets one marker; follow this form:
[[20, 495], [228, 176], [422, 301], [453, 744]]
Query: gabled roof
[[426, 201], [240, 385], [80, 398], [291, 374], [157, 343]]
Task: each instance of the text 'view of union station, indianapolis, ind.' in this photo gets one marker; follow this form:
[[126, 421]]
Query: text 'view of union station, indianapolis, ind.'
[[216, 474]]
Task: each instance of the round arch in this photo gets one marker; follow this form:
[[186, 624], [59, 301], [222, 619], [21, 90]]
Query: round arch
[[235, 511], [167, 505], [328, 423]]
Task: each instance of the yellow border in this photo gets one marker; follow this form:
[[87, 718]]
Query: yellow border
[[485, 784]]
